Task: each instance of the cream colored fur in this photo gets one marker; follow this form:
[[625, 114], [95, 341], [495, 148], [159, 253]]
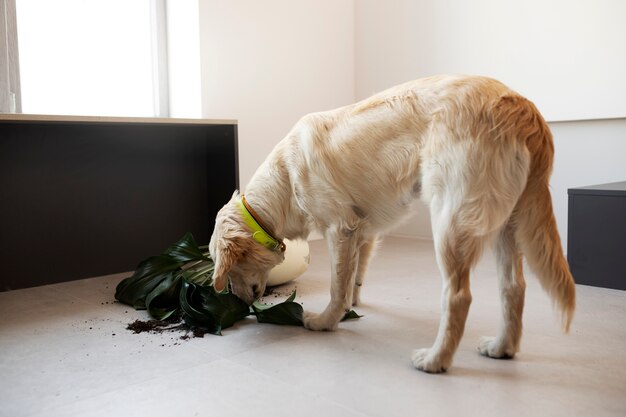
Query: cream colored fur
[[476, 152]]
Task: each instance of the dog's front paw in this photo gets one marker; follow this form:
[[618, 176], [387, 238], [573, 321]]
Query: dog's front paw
[[425, 361], [495, 348], [318, 322]]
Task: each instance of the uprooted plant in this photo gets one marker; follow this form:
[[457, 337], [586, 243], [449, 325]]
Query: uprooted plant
[[179, 282]]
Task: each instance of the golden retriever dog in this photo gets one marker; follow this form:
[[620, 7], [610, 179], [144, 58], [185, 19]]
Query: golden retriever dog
[[476, 152]]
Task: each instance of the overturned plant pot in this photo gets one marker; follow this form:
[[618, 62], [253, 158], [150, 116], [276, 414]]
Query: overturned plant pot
[[297, 259]]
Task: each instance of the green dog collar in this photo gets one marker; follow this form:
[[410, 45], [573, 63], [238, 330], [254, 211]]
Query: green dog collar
[[259, 231]]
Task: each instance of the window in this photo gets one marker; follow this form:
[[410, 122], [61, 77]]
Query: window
[[92, 57]]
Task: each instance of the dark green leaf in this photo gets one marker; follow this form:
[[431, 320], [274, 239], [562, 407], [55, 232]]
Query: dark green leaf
[[287, 312], [200, 273], [163, 301], [204, 307], [191, 305], [291, 297], [149, 274], [351, 315], [259, 306], [185, 250]]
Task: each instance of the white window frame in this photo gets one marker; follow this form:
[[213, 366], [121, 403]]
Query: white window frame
[[160, 76], [10, 93]]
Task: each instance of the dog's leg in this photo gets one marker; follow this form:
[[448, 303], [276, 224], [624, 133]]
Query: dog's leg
[[343, 247], [456, 252], [365, 253], [512, 288]]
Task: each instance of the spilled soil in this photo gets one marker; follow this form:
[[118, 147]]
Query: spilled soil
[[173, 324]]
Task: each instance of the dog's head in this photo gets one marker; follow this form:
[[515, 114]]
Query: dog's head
[[238, 255]]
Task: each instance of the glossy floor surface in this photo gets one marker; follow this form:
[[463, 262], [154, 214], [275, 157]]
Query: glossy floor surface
[[65, 351]]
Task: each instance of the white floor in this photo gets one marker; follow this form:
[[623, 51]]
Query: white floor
[[64, 351]]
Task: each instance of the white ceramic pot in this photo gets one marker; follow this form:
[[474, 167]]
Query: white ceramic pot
[[297, 258]]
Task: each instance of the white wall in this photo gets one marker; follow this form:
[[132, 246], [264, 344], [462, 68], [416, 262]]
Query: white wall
[[398, 40], [567, 55], [268, 63]]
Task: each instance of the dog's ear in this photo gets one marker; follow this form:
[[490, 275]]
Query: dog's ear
[[226, 257]]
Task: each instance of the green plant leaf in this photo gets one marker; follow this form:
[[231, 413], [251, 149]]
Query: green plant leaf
[[200, 273], [259, 306], [163, 301], [185, 250], [204, 307], [351, 315], [148, 275], [191, 305], [288, 312], [151, 273], [291, 297]]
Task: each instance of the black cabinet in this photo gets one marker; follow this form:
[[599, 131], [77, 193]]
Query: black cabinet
[[596, 235], [84, 196]]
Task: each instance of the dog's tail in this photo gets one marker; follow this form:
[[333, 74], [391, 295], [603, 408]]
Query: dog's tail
[[536, 231]]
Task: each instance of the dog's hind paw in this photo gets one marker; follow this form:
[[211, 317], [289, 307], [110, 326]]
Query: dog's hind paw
[[313, 321], [495, 348], [424, 361]]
